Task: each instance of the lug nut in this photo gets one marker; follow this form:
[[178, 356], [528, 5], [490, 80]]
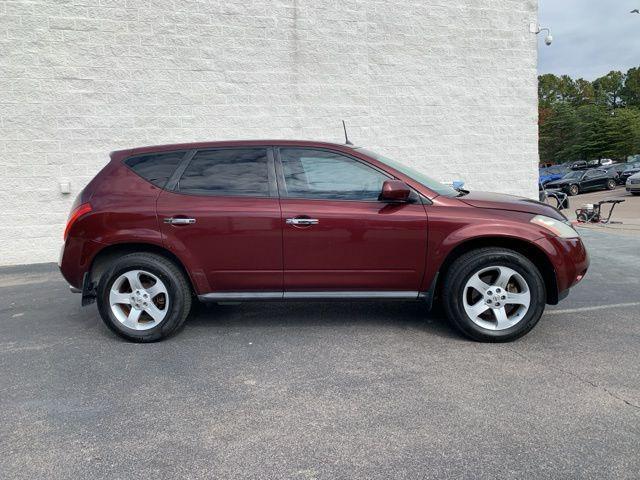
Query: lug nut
[[489, 292], [497, 304], [498, 290], [488, 301], [503, 297]]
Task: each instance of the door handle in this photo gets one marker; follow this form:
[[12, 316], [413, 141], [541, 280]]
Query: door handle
[[179, 221], [302, 221]]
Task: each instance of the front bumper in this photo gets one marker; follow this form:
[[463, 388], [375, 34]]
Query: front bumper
[[570, 261]]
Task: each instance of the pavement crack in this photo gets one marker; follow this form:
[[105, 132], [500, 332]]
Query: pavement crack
[[580, 379]]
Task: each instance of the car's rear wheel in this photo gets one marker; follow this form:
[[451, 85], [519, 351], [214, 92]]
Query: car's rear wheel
[[611, 184], [143, 297], [574, 190], [494, 294]]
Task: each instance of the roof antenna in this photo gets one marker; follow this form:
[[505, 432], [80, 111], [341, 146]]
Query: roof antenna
[[346, 137]]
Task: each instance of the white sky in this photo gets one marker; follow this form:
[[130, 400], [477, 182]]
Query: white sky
[[591, 37]]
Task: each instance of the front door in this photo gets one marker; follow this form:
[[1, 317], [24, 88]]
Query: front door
[[222, 218], [337, 235]]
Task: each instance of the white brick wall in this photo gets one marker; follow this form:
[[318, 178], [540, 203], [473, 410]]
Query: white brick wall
[[448, 86]]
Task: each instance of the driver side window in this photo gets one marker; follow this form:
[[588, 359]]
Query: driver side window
[[322, 174]]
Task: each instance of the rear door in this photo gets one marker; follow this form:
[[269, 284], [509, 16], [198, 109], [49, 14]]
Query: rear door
[[594, 179], [337, 235], [221, 215]]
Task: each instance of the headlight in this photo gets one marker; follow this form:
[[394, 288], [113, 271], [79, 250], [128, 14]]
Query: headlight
[[561, 229]]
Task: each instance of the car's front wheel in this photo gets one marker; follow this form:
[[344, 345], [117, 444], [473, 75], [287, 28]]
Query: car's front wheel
[[494, 294], [574, 190], [143, 297], [611, 184]]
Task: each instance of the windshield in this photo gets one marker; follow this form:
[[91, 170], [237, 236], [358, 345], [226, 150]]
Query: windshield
[[430, 183], [573, 175], [633, 166]]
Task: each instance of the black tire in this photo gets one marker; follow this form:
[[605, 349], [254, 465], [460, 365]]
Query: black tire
[[611, 184], [472, 262], [177, 285], [583, 218], [635, 193], [573, 190]]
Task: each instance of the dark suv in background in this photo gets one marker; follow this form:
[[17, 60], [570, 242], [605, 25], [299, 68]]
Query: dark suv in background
[[162, 226]]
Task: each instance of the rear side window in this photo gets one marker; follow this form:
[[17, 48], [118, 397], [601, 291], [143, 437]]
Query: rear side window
[[155, 168], [235, 172]]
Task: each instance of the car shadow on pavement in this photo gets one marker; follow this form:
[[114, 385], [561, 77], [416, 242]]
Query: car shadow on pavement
[[402, 315]]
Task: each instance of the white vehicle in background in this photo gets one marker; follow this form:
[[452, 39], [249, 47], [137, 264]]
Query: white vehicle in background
[[633, 184]]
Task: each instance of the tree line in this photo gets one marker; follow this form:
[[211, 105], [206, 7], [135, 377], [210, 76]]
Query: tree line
[[586, 120]]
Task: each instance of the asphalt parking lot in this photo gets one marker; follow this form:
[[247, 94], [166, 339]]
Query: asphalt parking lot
[[311, 390]]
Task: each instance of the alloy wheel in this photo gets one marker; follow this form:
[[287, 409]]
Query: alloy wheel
[[496, 298], [139, 300]]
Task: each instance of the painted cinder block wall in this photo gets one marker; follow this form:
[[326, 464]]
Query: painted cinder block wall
[[449, 87]]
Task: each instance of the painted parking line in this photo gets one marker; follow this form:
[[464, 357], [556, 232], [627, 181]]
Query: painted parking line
[[594, 308]]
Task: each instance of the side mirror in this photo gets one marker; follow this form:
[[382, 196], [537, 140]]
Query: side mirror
[[395, 191]]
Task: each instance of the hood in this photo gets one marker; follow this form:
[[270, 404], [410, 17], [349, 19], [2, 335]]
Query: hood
[[513, 203], [559, 183]]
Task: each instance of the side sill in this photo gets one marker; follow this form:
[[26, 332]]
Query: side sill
[[266, 296]]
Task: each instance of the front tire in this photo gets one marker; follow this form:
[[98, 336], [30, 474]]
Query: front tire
[[574, 190], [494, 295], [611, 184], [143, 297]]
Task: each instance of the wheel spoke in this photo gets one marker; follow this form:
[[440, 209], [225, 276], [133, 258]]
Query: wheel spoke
[[478, 309], [132, 318], [504, 276], [117, 298], [501, 317], [518, 299], [155, 312], [478, 284], [134, 279], [156, 289]]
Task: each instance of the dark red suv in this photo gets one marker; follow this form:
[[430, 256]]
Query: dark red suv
[[297, 220]]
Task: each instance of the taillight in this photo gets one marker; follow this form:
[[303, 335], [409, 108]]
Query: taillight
[[75, 215]]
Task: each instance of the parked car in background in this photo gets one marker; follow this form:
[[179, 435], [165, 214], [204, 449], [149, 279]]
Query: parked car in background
[[578, 165], [160, 227], [616, 169], [633, 184], [630, 169], [599, 162], [550, 174], [580, 181]]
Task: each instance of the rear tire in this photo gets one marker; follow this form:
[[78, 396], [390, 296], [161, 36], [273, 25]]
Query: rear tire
[[574, 190], [152, 305], [496, 322], [611, 184]]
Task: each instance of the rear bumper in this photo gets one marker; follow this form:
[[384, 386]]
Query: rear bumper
[[75, 259], [570, 261]]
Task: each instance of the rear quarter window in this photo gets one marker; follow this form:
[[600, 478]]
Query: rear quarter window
[[157, 167]]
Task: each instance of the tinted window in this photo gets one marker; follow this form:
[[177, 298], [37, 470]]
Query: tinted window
[[235, 172], [322, 174], [155, 168]]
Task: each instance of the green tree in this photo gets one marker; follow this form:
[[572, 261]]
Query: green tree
[[608, 89], [558, 133], [631, 91]]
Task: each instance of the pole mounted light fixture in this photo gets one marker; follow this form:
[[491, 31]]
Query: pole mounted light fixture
[[535, 28]]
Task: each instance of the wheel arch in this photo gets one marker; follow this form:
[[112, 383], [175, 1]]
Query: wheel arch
[[104, 257], [528, 249]]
